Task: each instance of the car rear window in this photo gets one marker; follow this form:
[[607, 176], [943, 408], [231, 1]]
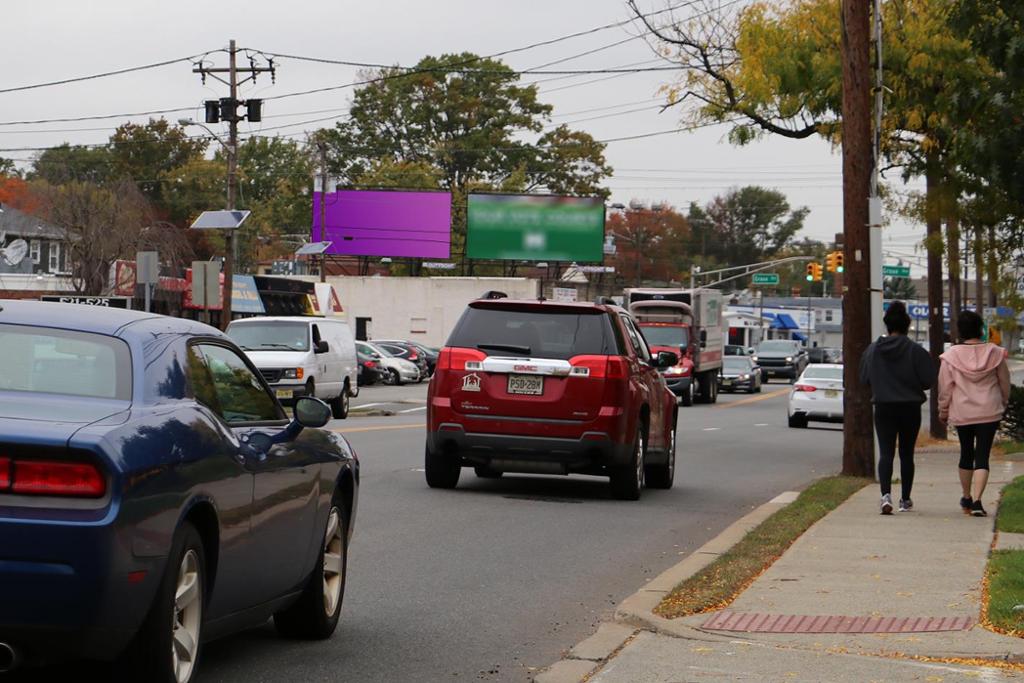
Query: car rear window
[[813, 372], [554, 333], [47, 361]]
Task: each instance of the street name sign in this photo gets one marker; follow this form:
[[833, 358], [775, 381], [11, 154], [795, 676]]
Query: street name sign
[[766, 279], [896, 271]]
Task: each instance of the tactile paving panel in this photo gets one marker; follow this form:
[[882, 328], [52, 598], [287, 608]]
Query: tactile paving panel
[[758, 622]]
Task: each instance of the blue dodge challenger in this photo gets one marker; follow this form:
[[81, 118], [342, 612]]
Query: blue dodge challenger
[[154, 495]]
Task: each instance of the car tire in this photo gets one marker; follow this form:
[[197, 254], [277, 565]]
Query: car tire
[[713, 391], [627, 482], [314, 616], [340, 404], [686, 399], [398, 378], [661, 476], [391, 378], [798, 421], [442, 471], [485, 472], [311, 387], [173, 627]]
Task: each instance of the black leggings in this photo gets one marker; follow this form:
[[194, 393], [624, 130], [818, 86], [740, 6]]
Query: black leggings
[[975, 444], [894, 420]]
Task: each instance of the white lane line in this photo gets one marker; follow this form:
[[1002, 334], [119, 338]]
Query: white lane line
[[762, 424], [369, 405], [411, 410], [711, 429]]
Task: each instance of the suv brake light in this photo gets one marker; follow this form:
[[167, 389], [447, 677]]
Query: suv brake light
[[458, 359], [51, 478], [598, 367]]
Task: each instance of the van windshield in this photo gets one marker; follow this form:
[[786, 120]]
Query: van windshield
[[270, 336]]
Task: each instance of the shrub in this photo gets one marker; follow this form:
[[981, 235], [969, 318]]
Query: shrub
[[1013, 419]]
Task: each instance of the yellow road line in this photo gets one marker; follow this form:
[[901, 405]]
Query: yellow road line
[[377, 429], [753, 399]]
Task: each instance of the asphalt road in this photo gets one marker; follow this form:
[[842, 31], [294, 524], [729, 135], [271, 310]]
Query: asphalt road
[[495, 579]]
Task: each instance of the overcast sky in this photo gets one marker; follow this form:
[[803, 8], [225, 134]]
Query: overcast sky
[[79, 37]]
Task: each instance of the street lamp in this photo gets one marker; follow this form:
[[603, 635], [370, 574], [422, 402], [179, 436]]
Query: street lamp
[[231, 147]]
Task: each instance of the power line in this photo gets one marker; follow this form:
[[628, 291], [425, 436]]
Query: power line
[[116, 72]]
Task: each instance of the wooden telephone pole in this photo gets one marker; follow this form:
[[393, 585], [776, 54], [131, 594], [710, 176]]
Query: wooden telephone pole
[[228, 111], [858, 441]]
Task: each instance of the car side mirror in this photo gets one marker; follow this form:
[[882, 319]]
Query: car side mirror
[[750, 350], [666, 359], [322, 347], [311, 412]]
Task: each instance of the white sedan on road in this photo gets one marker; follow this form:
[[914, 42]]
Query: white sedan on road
[[817, 395]]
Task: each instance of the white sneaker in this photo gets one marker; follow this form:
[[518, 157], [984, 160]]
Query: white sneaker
[[886, 504]]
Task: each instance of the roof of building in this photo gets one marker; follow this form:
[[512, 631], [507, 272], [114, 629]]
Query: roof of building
[[18, 224]]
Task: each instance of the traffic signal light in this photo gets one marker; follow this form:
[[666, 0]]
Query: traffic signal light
[[834, 262], [814, 272]]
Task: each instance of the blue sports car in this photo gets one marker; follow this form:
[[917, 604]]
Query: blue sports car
[[154, 495]]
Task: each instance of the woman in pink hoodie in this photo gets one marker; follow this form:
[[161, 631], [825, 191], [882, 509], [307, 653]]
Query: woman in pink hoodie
[[974, 387]]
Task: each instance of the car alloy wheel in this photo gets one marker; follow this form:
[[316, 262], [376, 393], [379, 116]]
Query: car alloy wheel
[[188, 614], [641, 449], [334, 563]]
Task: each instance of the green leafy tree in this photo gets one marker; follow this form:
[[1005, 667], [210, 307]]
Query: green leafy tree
[[746, 225], [8, 168], [900, 288], [66, 163], [649, 242], [143, 152], [468, 120]]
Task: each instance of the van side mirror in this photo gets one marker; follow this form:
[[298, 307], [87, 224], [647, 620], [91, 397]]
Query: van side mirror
[[322, 347]]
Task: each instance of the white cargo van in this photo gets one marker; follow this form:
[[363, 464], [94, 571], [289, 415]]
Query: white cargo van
[[302, 356]]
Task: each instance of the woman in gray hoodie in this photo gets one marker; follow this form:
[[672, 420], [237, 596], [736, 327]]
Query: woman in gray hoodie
[[898, 371]]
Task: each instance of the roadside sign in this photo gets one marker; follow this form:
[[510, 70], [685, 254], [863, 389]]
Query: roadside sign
[[765, 279], [206, 284], [147, 268], [565, 294], [101, 301], [896, 271]]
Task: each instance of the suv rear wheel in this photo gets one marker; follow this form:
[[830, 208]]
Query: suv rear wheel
[[626, 482], [442, 471], [661, 476]]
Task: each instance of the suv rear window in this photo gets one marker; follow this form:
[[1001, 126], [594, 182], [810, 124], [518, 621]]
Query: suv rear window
[[555, 333]]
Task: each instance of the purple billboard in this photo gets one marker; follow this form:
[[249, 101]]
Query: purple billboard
[[385, 223]]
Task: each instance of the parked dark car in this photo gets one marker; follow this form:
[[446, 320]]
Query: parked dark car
[[740, 373], [154, 495], [824, 354], [408, 352], [370, 371], [551, 388]]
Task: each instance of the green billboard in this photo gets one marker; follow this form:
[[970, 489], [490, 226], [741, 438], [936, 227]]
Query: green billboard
[[535, 228]]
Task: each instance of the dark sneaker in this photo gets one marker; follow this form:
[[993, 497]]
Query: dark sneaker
[[965, 504], [886, 504], [977, 510], [906, 505]]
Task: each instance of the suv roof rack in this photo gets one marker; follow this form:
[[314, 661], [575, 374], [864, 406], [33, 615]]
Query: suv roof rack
[[494, 294]]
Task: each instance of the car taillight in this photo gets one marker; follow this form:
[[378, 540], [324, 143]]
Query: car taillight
[[5, 474], [53, 478], [369, 364], [413, 356], [805, 387], [456, 359], [598, 367]]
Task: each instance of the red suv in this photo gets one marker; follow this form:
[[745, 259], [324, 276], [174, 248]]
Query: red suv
[[551, 388]]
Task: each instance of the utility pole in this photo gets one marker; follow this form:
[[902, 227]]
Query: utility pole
[[322, 146], [858, 447], [228, 111]]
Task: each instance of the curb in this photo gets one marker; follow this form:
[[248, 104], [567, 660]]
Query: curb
[[636, 612]]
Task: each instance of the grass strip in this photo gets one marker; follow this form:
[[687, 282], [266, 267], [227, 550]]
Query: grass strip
[[1011, 509], [1005, 582], [720, 582], [1010, 450]]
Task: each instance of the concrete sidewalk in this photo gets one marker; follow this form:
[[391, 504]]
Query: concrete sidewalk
[[926, 565]]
